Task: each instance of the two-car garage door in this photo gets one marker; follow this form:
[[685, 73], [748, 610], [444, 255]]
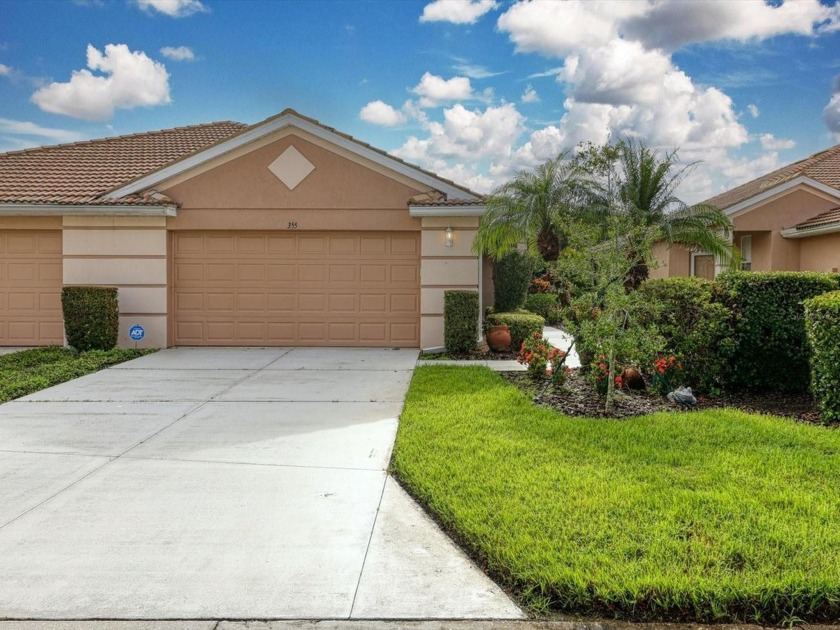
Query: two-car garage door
[[296, 288]]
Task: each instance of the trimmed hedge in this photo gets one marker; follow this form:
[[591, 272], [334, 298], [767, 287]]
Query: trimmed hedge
[[511, 279], [522, 324], [544, 304], [769, 327], [91, 317], [822, 323], [460, 320], [691, 316]]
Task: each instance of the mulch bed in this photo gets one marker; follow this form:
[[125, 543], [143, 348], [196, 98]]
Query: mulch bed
[[577, 397], [481, 353]]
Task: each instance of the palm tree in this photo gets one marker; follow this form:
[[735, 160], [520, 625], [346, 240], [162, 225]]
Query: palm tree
[[531, 209], [645, 192]]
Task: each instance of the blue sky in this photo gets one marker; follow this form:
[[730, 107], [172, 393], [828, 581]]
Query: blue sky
[[473, 89]]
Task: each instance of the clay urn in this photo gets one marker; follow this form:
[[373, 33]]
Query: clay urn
[[631, 378], [498, 338]]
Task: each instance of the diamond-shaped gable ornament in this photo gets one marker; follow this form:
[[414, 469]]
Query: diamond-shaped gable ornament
[[291, 167]]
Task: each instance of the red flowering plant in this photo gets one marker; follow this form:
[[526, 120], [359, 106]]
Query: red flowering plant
[[600, 375], [666, 373], [542, 358]]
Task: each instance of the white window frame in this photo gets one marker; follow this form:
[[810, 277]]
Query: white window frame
[[746, 261]]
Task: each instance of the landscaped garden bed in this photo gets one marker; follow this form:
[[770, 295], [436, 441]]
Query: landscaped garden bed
[[709, 515], [577, 397], [29, 371]]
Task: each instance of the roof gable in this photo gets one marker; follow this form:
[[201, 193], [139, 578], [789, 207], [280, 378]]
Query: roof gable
[[290, 119]]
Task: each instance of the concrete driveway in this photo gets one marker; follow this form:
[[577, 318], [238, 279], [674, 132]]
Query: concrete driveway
[[223, 483]]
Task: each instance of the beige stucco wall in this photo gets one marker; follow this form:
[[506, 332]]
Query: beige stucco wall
[[443, 268], [660, 254], [783, 211], [760, 248], [820, 253], [129, 253]]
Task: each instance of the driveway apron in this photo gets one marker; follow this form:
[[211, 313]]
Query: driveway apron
[[232, 483]]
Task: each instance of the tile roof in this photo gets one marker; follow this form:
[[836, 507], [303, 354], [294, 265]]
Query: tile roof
[[830, 217], [823, 167], [81, 172]]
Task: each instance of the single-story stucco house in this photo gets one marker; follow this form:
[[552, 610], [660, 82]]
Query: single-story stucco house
[[285, 232], [787, 220]]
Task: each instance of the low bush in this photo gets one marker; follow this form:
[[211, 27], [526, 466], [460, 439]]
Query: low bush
[[511, 278], [695, 323], [769, 327], [822, 323], [521, 324], [460, 320], [543, 304], [538, 354], [91, 317]]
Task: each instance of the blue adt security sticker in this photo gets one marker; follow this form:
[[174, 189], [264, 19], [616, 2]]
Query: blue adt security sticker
[[136, 332]]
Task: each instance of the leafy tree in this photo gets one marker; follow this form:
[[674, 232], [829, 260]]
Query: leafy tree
[[632, 180], [534, 209]]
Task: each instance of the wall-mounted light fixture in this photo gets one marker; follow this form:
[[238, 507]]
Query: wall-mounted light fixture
[[449, 236]]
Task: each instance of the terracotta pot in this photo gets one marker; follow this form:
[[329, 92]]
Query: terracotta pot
[[498, 338], [633, 379]]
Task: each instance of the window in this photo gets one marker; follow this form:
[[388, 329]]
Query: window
[[746, 253]]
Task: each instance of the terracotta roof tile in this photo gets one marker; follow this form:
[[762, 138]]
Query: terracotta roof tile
[[827, 218], [823, 167], [81, 172]]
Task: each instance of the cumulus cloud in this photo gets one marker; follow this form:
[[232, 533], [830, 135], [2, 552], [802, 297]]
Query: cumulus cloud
[[434, 90], [380, 113], [753, 110], [172, 8], [530, 95], [127, 80], [831, 113], [772, 143], [178, 53], [457, 11], [5, 70]]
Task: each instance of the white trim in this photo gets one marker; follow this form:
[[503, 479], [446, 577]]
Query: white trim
[[447, 211], [53, 210], [691, 265], [272, 125], [772, 192], [816, 231]]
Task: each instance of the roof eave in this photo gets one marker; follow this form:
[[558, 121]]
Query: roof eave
[[272, 125], [764, 195], [82, 210], [471, 210], [814, 231]]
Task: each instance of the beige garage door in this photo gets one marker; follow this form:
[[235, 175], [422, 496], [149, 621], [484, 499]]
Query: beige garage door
[[30, 288], [297, 288]]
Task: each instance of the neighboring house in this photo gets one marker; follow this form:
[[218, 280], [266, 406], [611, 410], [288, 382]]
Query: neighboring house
[[286, 232], [788, 220]]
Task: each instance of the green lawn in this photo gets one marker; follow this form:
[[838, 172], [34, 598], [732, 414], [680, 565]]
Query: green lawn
[[705, 516], [26, 372]]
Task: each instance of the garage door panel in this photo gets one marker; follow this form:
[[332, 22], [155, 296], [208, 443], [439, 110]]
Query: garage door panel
[[298, 289], [30, 287]]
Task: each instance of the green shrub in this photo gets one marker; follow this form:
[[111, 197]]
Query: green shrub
[[91, 317], [522, 324], [769, 327], [822, 323], [543, 304], [511, 278], [460, 320], [690, 315]]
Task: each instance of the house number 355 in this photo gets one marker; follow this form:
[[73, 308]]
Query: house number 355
[[292, 225]]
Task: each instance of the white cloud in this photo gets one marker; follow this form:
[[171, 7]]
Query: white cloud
[[21, 134], [5, 70], [772, 143], [530, 95], [433, 89], [831, 116], [753, 110], [178, 53], [129, 79], [457, 11], [473, 71], [380, 113], [172, 8]]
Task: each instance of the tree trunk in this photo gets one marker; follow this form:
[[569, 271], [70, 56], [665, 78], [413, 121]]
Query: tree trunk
[[638, 273], [549, 244]]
